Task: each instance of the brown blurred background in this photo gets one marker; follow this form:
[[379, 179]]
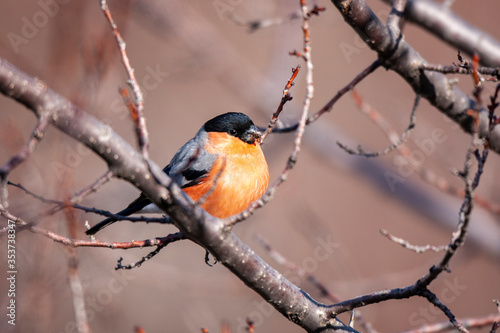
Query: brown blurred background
[[193, 63]]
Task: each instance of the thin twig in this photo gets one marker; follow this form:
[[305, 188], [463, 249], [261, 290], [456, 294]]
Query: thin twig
[[414, 248], [23, 154], [396, 144], [159, 246], [426, 174], [328, 106], [454, 69], [468, 323], [137, 111], [92, 188], [493, 122], [284, 99], [157, 241], [69, 203], [433, 299], [255, 25]]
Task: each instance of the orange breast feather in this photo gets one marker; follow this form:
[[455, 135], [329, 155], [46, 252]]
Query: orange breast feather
[[243, 179]]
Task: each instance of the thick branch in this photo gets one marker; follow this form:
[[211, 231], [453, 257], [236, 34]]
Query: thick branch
[[396, 54], [446, 25]]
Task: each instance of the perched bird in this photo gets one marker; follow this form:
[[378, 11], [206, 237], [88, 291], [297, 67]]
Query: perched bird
[[223, 167]]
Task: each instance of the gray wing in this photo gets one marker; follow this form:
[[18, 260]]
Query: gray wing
[[192, 163], [189, 167]]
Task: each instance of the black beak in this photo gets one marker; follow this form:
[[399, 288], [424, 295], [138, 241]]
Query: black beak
[[252, 134]]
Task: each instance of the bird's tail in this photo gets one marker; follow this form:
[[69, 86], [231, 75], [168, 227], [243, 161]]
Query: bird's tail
[[101, 225], [134, 207]]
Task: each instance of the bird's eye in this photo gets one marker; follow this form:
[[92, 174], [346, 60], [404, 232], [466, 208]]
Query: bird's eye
[[233, 132]]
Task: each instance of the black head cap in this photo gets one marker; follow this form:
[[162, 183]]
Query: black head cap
[[235, 124]]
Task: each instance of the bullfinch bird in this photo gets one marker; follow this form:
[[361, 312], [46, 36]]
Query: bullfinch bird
[[223, 167]]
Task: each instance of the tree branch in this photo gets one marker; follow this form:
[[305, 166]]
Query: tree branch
[[396, 54], [447, 326], [137, 106], [439, 20]]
